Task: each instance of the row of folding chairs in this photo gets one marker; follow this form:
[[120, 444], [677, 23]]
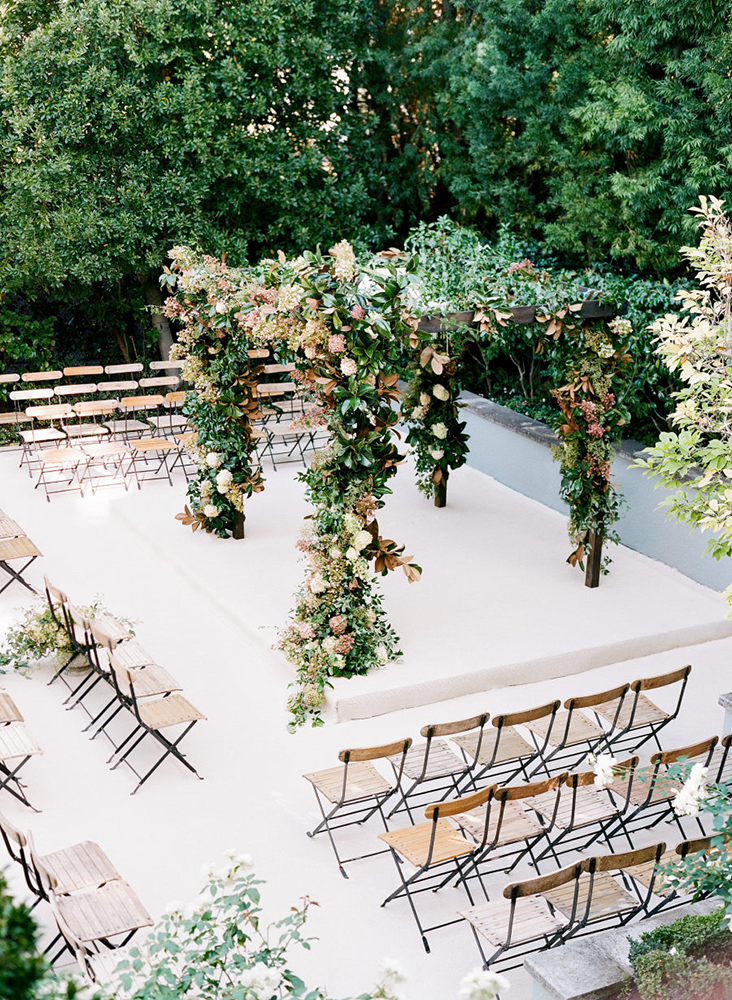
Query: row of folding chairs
[[588, 896], [491, 831], [84, 372], [464, 755], [93, 906], [136, 687], [14, 546]]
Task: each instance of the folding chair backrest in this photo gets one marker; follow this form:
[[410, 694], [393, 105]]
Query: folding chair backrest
[[662, 680], [51, 376], [161, 366], [46, 879], [278, 369], [375, 753], [23, 395], [704, 748], [462, 805], [256, 352], [95, 406], [141, 402], [511, 793], [453, 728], [53, 411], [78, 389], [687, 847], [592, 700], [616, 862], [76, 370], [519, 718], [543, 883], [159, 380], [9, 377], [175, 398], [14, 840], [128, 369], [54, 595], [116, 386], [100, 635]]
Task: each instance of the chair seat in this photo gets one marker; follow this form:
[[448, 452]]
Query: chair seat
[[608, 897], [645, 712], [581, 729], [413, 843], [103, 912], [85, 430], [364, 781], [512, 745], [591, 805], [169, 420], [171, 711], [112, 627], [62, 456], [79, 867], [17, 548], [532, 919], [107, 449], [125, 426], [42, 434], [442, 761], [16, 741], [518, 823], [143, 445]]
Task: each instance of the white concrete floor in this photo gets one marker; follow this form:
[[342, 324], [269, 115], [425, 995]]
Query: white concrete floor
[[496, 592]]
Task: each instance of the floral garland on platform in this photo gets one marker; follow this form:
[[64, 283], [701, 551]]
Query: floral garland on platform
[[591, 422], [343, 327], [348, 325], [431, 409]]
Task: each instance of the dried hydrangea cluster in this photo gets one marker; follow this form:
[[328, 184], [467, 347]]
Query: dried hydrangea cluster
[[591, 421], [342, 328], [431, 409]]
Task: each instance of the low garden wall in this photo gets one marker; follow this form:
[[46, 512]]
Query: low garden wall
[[517, 451]]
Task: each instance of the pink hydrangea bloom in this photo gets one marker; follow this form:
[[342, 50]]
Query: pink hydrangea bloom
[[344, 645], [336, 343], [596, 430], [357, 312], [338, 624], [305, 630]]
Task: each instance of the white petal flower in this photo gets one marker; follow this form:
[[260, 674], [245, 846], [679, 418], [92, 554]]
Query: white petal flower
[[603, 765], [437, 454], [688, 800], [482, 984], [392, 971], [361, 539], [210, 510]]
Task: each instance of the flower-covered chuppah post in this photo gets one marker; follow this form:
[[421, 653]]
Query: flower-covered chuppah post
[[591, 421], [213, 343], [347, 326], [431, 406]]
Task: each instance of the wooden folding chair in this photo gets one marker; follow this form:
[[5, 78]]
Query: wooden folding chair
[[438, 853], [157, 449], [509, 826], [524, 920], [355, 791], [172, 421], [653, 792], [638, 720], [605, 901], [153, 716], [59, 607], [80, 866], [651, 874], [110, 463], [59, 468], [433, 768], [585, 812], [35, 438], [16, 844], [17, 747], [505, 754], [572, 735]]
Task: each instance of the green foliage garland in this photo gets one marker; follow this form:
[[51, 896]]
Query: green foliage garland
[[591, 422], [431, 407]]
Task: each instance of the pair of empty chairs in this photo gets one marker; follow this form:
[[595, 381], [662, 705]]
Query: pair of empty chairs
[[92, 904], [141, 690], [17, 746]]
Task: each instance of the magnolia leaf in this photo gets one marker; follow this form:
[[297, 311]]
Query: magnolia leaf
[[425, 356], [437, 366]]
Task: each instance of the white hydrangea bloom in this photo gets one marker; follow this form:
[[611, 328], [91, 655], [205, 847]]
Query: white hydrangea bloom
[[424, 400], [441, 393], [482, 984], [361, 539], [210, 510], [440, 431], [348, 366], [213, 460], [437, 454], [351, 554], [224, 479], [418, 413], [382, 654]]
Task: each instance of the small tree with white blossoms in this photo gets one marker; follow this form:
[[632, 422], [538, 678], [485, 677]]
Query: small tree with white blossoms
[[696, 458]]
